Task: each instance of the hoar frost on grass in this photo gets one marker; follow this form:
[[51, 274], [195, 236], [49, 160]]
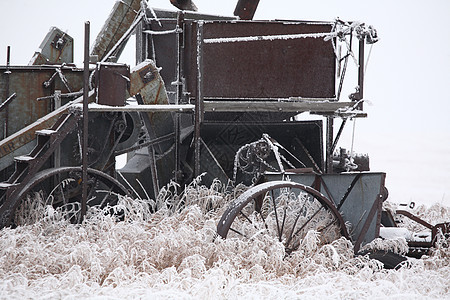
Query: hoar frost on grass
[[175, 253]]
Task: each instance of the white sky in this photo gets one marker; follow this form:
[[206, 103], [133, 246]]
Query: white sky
[[407, 133]]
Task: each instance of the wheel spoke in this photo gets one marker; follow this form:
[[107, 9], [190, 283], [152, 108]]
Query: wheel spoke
[[276, 215], [246, 217], [288, 241], [238, 232], [284, 220], [309, 220]]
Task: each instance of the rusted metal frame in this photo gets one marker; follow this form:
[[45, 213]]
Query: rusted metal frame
[[325, 107], [27, 134], [179, 91], [349, 189], [245, 9], [376, 207], [414, 218], [198, 117], [11, 202], [151, 150], [7, 101], [85, 120], [338, 135]]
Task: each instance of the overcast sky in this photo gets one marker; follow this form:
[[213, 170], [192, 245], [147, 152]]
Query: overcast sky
[[407, 133]]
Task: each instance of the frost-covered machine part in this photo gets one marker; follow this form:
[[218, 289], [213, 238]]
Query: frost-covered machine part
[[205, 88], [56, 48], [120, 19]]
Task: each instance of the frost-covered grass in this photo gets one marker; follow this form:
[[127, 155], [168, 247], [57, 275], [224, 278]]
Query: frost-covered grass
[[175, 253]]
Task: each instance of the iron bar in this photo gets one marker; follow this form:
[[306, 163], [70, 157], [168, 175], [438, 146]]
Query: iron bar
[[7, 73], [181, 108], [375, 207], [65, 95], [329, 143], [338, 135], [276, 215], [198, 103], [158, 140], [349, 189], [414, 218], [328, 107], [7, 101], [179, 93], [309, 155], [85, 119]]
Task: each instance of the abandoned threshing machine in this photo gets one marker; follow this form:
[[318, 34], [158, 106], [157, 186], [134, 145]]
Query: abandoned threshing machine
[[216, 95]]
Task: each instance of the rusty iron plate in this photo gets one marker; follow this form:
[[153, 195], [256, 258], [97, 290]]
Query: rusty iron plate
[[112, 81], [303, 67]]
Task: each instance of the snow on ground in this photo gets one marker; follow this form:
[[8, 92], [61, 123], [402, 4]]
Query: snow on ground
[[176, 255]]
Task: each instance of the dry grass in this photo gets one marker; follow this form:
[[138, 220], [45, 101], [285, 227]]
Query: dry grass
[[174, 253]]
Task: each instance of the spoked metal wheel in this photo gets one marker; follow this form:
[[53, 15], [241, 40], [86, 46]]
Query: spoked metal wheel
[[285, 210], [62, 187]]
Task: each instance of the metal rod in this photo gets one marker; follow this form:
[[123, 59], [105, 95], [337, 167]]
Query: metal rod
[[85, 119], [349, 189], [198, 103], [338, 135], [329, 143], [180, 23], [148, 108], [8, 57], [7, 73], [414, 218], [7, 101]]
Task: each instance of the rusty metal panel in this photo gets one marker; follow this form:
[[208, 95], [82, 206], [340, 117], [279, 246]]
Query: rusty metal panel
[[279, 68], [28, 84], [112, 80], [56, 48]]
